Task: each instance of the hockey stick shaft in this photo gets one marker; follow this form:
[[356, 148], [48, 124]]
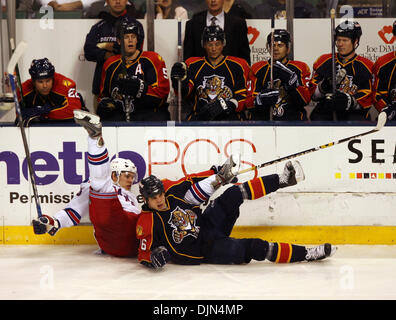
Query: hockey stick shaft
[[179, 59], [272, 62], [333, 56], [10, 70], [381, 122], [333, 62], [272, 52], [128, 103]]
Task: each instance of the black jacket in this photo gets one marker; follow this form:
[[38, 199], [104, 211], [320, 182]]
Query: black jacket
[[101, 32], [237, 43]]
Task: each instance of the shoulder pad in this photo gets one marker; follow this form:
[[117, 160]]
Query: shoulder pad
[[259, 65], [192, 60], [366, 62], [321, 60]]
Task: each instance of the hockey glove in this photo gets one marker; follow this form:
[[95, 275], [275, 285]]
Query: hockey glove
[[340, 101], [46, 224], [390, 110], [287, 76], [132, 87], [215, 109], [325, 86], [266, 98], [179, 72], [159, 257], [106, 108], [28, 113]]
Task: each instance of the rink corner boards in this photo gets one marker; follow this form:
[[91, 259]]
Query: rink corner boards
[[83, 235]]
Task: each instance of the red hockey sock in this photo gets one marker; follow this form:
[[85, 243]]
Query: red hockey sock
[[259, 187], [280, 252]]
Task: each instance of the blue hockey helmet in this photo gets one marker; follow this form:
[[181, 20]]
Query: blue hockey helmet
[[281, 35], [213, 33], [349, 29], [41, 69], [129, 25], [151, 186]]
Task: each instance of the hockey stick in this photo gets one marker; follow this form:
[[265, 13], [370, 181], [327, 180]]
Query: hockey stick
[[128, 103], [380, 124], [179, 59], [333, 57], [272, 52], [272, 62], [20, 49]]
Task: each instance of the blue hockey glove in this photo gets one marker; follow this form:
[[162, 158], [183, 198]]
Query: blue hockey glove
[[287, 76], [159, 257], [219, 107], [266, 98]]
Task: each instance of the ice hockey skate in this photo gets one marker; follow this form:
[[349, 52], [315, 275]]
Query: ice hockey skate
[[91, 122], [292, 174], [228, 171], [320, 252]]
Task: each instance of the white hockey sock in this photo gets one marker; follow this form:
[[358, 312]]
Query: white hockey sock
[[201, 191]]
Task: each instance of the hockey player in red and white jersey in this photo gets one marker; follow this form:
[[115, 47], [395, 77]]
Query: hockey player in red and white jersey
[[49, 96], [113, 208], [384, 91], [287, 93]]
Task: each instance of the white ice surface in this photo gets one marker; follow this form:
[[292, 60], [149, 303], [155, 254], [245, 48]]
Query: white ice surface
[[75, 272]]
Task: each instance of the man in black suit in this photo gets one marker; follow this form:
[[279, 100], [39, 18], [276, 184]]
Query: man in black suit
[[237, 43]]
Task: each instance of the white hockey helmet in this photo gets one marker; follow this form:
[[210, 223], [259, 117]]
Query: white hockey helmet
[[119, 165]]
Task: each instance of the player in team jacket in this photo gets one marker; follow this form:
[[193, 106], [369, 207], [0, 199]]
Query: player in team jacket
[[215, 84], [352, 98], [384, 71], [288, 94], [173, 227], [48, 96], [135, 86]]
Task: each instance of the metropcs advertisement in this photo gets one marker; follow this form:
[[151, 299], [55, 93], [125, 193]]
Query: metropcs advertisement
[[352, 183]]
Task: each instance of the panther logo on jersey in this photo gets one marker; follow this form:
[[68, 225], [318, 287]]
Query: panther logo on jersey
[[183, 224], [347, 85], [212, 88], [279, 108]]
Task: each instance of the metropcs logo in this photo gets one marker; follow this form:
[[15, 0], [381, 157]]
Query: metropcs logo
[[386, 34], [47, 166]]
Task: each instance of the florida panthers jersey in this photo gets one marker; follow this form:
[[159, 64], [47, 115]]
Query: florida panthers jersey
[[63, 98], [148, 66], [356, 82], [178, 226], [207, 83], [384, 71], [290, 104]]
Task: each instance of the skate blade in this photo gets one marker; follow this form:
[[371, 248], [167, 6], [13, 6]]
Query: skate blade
[[236, 159], [300, 175]]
